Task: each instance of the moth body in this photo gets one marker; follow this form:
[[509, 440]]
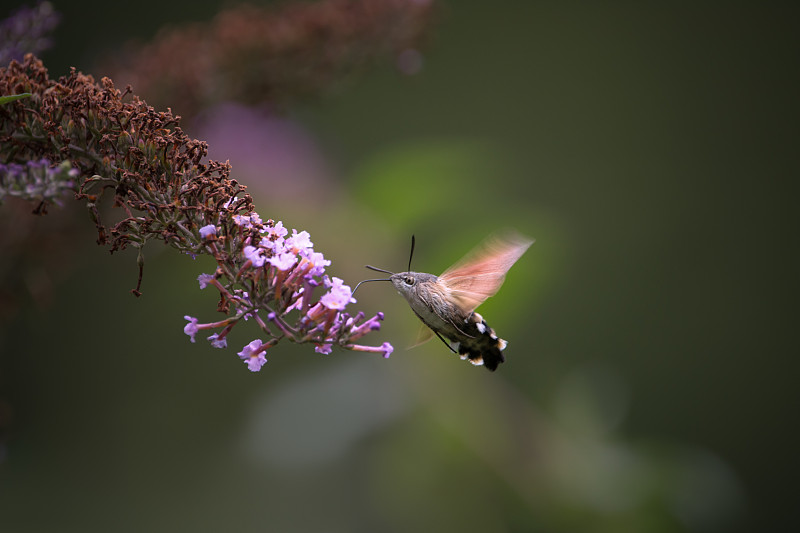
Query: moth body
[[446, 303], [469, 334]]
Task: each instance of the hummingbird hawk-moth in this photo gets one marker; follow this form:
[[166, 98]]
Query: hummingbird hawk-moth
[[446, 304]]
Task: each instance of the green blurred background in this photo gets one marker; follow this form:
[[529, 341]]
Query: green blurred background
[[652, 367]]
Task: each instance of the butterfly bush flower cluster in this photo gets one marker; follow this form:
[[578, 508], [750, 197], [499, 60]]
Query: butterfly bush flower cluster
[[128, 158], [144, 180], [276, 282]]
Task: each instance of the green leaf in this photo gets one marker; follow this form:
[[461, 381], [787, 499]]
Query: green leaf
[[11, 98], [420, 180]]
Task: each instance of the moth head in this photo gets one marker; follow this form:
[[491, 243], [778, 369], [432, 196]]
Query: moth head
[[408, 283], [404, 282]]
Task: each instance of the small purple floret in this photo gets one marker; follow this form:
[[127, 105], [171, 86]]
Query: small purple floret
[[204, 280], [338, 296], [277, 230], [255, 256], [191, 328], [299, 242], [387, 349], [323, 348], [283, 261], [218, 342], [253, 355], [207, 231], [318, 263]]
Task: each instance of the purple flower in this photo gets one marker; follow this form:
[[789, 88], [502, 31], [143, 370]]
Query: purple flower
[[255, 256], [191, 328], [247, 221], [253, 355], [298, 270], [204, 280], [299, 242], [217, 341], [323, 322], [284, 261], [207, 231], [277, 231], [387, 350], [338, 296], [297, 300], [276, 247], [318, 263], [373, 324]]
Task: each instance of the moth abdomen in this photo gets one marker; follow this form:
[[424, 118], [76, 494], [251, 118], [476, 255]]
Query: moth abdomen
[[483, 346]]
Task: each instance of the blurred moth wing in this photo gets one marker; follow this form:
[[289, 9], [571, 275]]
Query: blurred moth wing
[[425, 334], [479, 274]]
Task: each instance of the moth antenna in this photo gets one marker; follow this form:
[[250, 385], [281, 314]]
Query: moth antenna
[[366, 280], [413, 240], [376, 269]]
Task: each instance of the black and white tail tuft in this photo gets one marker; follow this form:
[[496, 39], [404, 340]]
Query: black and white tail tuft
[[482, 346]]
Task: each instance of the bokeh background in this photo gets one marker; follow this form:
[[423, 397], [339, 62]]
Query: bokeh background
[[651, 375]]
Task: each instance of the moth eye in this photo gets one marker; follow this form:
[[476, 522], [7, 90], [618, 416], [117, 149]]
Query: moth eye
[[408, 280]]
